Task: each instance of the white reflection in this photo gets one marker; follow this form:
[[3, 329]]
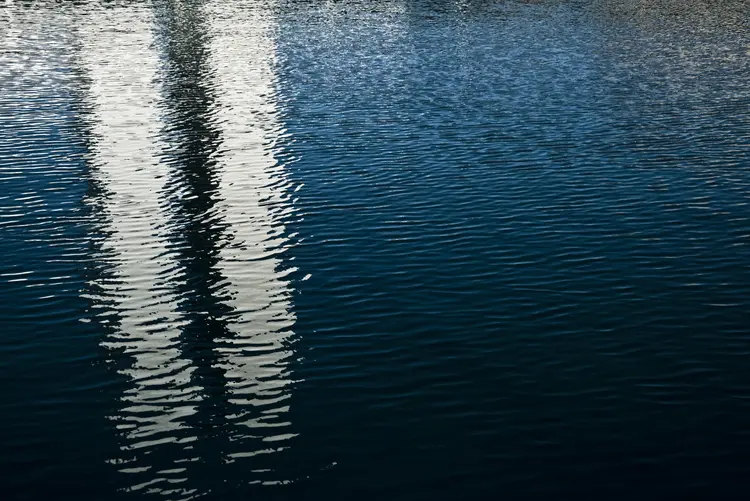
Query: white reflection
[[118, 59], [256, 354]]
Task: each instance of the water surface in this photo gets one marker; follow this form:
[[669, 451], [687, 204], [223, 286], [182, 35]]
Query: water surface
[[414, 250]]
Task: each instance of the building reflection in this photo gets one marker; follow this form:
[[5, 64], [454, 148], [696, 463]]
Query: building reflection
[[133, 295], [253, 197], [189, 201]]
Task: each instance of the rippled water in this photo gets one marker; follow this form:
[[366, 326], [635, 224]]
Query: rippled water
[[394, 249]]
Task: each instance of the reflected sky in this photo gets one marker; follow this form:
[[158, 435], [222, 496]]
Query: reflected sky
[[188, 197]]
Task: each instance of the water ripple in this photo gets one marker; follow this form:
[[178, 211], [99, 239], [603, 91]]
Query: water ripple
[[432, 249]]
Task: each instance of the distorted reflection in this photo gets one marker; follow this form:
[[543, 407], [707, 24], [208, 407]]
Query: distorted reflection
[[190, 197], [253, 199], [134, 293]]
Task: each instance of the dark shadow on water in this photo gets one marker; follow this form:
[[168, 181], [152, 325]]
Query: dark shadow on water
[[196, 229]]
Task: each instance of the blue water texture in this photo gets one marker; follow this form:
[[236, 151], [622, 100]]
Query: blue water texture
[[406, 250]]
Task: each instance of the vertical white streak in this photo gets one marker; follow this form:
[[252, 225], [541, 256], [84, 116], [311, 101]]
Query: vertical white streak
[[118, 59], [256, 354]]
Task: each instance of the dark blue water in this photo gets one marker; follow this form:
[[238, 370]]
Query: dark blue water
[[386, 250]]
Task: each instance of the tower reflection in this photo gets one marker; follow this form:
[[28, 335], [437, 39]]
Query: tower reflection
[[253, 198], [134, 293], [190, 200]]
